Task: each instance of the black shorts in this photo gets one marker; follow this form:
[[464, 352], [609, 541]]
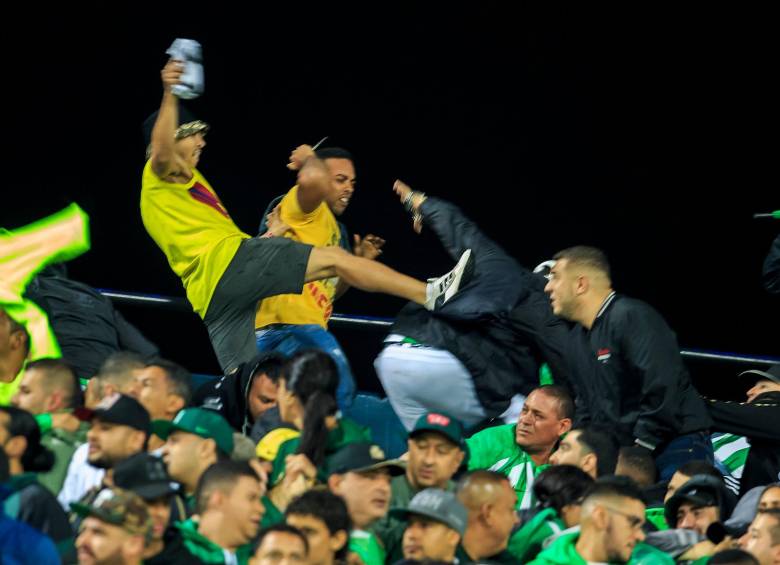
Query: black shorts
[[261, 267]]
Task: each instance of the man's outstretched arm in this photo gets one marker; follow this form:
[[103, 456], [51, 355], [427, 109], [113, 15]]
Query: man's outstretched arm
[[165, 161]]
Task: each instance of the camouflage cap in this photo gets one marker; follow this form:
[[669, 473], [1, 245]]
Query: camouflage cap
[[119, 507]]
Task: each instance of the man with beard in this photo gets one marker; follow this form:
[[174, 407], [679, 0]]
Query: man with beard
[[611, 526], [114, 529], [119, 428]]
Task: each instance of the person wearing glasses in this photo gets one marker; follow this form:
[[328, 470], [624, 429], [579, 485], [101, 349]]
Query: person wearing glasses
[[611, 521]]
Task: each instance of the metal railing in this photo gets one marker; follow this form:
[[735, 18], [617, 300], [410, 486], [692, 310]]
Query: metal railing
[[371, 322]]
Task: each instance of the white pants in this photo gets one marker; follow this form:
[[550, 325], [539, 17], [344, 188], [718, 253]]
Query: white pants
[[422, 379]]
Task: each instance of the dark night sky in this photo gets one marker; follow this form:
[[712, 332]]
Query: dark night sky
[[639, 130]]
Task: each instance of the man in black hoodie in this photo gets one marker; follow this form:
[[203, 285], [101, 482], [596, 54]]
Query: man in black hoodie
[[245, 395], [757, 420]]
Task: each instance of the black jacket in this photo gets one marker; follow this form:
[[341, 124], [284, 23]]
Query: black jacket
[[499, 325], [772, 268], [230, 394], [628, 373], [86, 325], [759, 421]]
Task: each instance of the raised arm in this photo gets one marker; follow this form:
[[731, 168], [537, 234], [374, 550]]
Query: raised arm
[[165, 160], [313, 177]]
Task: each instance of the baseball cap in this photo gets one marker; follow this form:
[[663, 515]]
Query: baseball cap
[[442, 423], [117, 409], [754, 375], [701, 491], [201, 422], [145, 475], [269, 445], [188, 125], [118, 507], [362, 458], [439, 505]]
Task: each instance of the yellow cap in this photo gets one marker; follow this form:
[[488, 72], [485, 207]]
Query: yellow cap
[[268, 446]]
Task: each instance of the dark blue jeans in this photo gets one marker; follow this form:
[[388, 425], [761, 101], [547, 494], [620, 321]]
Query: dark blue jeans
[[689, 447], [290, 338]]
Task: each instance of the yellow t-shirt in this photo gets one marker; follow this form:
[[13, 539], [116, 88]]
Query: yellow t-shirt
[[315, 304], [190, 225]]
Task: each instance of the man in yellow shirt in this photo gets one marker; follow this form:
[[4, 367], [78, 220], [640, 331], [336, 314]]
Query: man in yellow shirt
[[290, 322], [224, 271]]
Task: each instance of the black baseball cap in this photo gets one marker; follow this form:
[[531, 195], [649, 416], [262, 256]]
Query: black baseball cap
[[145, 475], [362, 458], [700, 491], [754, 375], [118, 409]]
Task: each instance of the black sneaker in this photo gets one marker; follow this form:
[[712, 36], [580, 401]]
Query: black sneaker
[[445, 287]]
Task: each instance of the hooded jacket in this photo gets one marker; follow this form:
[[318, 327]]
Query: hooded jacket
[[230, 394]]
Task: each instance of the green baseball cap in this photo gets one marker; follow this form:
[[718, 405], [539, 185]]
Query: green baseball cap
[[201, 422], [119, 507], [442, 423]]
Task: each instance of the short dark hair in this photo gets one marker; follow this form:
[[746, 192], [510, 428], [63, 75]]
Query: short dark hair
[[561, 485], [604, 445], [270, 364], [585, 255], [641, 463], [330, 509], [14, 326], [699, 467], [564, 398], [117, 368], [285, 529], [179, 378], [36, 457], [333, 153], [733, 557], [611, 485], [60, 376], [221, 476]]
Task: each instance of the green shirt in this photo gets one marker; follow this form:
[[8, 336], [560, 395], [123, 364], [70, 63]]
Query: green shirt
[[563, 551], [63, 443], [526, 543], [495, 449], [205, 549], [367, 547], [345, 432]]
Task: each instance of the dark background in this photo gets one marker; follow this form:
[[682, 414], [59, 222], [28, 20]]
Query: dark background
[[642, 130]]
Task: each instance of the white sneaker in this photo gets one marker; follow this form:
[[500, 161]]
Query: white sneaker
[[445, 287]]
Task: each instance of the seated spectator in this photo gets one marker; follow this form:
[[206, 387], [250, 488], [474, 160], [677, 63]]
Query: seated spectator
[[145, 475], [611, 526], [700, 502], [436, 522], [163, 388], [770, 498], [114, 528], [360, 474], [229, 510], [194, 441], [592, 450], [49, 387], [559, 491], [307, 400], [518, 450], [116, 375], [20, 543], [246, 394], [281, 544], [324, 520], [637, 464], [684, 474], [436, 450], [29, 501], [762, 540], [757, 420], [87, 326], [490, 502]]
